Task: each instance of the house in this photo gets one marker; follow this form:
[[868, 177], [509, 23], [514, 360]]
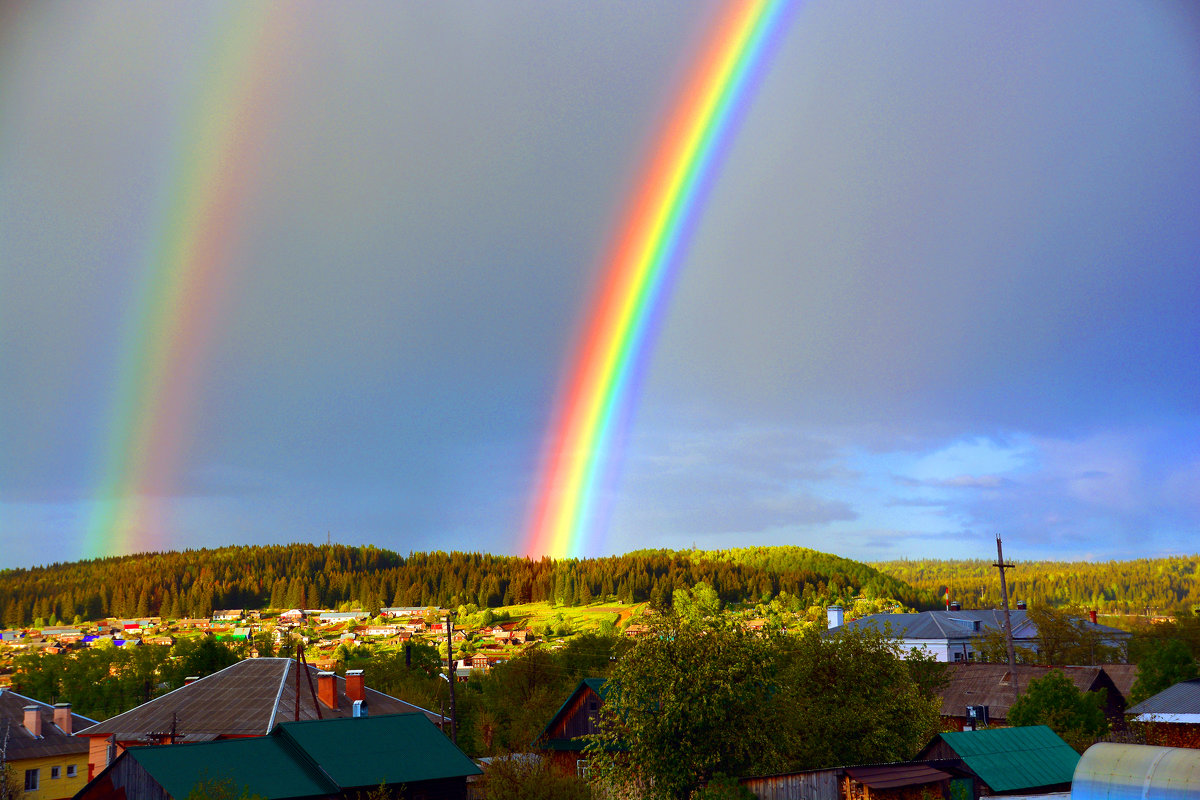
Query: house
[[560, 740], [951, 635], [344, 757], [988, 690], [228, 615], [246, 699], [395, 612], [46, 758], [1028, 759], [338, 617], [1171, 718]]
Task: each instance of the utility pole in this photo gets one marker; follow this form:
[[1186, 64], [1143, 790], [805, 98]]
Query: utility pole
[[453, 675], [1008, 638]]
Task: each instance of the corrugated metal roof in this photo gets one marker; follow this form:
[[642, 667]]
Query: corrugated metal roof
[[1182, 698], [896, 775], [1009, 759], [264, 766], [991, 685], [368, 751], [245, 699]]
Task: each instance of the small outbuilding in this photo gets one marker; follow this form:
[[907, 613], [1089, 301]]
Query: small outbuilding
[[1009, 760]]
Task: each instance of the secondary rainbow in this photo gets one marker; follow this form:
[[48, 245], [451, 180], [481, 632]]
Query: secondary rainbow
[[181, 287], [596, 402]]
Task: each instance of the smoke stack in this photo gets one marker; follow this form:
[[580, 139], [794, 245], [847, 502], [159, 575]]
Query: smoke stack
[[835, 616], [327, 689], [1020, 605], [33, 720], [355, 687], [955, 606], [190, 679], [62, 717], [1092, 616]]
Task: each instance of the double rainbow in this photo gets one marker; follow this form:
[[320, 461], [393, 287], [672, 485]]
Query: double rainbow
[[182, 284], [596, 403]]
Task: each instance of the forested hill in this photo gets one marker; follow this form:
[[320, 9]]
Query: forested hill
[[1162, 585], [194, 582]]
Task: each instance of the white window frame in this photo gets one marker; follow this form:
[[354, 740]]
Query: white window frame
[[55, 771], [71, 770], [582, 768], [32, 777]]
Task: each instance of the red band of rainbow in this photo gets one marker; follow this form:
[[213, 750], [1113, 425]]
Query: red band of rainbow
[[597, 401]]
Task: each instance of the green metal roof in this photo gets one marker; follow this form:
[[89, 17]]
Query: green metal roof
[[316, 758], [1015, 758], [262, 765], [368, 751]]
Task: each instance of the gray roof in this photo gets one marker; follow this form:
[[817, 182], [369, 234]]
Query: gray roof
[[1182, 698], [246, 699], [942, 625], [22, 744]]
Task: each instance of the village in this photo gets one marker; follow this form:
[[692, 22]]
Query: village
[[298, 709]]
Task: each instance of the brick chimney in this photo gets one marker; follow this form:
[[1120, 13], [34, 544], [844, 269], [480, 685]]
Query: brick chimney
[[190, 679], [62, 717], [327, 689], [33, 720], [1092, 616], [355, 687]]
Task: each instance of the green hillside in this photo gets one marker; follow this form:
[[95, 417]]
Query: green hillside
[[192, 583], [1157, 585]]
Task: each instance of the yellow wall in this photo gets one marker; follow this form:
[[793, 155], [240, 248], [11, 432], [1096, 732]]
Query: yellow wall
[[52, 788]]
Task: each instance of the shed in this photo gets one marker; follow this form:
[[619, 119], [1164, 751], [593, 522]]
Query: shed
[[1136, 772], [1009, 760]]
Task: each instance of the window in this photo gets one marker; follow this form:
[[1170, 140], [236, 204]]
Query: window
[[54, 771], [581, 768], [70, 770], [31, 780]]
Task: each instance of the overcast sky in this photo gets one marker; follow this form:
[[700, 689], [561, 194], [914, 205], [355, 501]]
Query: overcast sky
[[946, 284]]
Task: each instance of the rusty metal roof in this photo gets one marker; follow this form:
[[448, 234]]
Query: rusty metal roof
[[991, 685], [246, 699]]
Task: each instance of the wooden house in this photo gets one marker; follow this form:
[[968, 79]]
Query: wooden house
[[561, 741]]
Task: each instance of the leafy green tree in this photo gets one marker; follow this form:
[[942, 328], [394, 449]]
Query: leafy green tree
[[855, 698], [1053, 700], [1162, 668]]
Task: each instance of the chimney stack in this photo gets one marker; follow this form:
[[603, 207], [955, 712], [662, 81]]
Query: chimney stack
[[1021, 605], [190, 679], [1092, 616], [955, 606], [62, 717], [835, 616], [355, 687], [33, 720], [327, 689]]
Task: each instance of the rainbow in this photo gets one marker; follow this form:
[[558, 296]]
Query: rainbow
[[595, 404], [181, 286]]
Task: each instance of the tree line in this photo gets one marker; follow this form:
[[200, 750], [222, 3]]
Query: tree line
[[193, 583], [1140, 586]]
